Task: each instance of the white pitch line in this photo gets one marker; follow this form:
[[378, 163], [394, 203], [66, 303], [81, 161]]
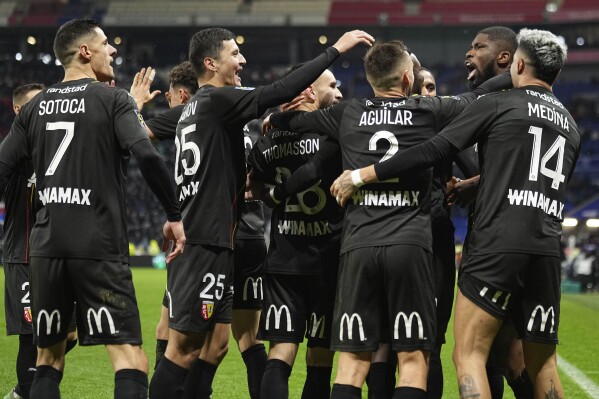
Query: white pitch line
[[578, 377]]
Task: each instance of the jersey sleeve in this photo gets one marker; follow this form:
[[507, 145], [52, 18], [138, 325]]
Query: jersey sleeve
[[324, 121], [129, 125], [13, 149], [164, 125]]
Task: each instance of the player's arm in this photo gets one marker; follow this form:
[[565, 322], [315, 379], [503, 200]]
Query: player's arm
[[287, 88], [164, 126], [461, 133], [306, 175], [324, 121], [12, 150]]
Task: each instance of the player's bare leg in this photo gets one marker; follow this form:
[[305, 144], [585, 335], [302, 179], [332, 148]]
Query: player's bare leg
[[161, 334], [474, 332], [413, 369], [541, 363]]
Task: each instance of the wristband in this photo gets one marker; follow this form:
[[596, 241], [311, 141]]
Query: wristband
[[356, 179], [271, 193]]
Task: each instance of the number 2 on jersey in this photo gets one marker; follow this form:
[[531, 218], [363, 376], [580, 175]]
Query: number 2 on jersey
[[69, 127], [393, 147], [557, 147]]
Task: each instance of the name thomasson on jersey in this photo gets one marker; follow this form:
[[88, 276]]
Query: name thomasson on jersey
[[386, 198], [300, 147], [536, 200], [64, 195]]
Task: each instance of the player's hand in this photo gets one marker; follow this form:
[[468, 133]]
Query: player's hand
[[140, 88], [266, 125], [462, 192], [174, 239], [296, 102], [343, 188], [350, 39]]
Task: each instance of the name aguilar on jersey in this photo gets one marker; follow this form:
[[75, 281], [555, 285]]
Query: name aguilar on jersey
[[64, 195], [533, 198]]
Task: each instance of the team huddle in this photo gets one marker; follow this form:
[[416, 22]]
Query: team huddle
[[361, 256]]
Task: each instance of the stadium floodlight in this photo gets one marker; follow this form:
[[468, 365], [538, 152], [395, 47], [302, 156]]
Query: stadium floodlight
[[239, 39], [31, 40], [323, 39], [593, 223], [18, 56], [570, 222], [46, 59], [118, 40]]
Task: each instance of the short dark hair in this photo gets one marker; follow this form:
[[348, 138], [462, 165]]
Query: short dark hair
[[505, 37], [382, 60], [544, 51], [207, 43], [184, 75], [68, 34], [20, 92]]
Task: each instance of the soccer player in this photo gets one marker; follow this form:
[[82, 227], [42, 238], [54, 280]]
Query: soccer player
[[429, 84], [78, 134], [528, 146], [302, 261], [18, 221], [211, 162], [386, 276], [182, 86]]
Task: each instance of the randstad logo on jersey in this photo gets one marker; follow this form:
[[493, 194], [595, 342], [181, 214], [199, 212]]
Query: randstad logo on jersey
[[207, 309], [97, 318]]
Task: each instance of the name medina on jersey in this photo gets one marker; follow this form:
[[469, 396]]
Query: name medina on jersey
[[64, 195]]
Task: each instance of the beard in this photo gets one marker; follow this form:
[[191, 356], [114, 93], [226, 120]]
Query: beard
[[482, 76]]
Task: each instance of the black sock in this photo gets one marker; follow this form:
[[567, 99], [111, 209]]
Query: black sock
[[130, 384], [495, 378], [522, 386], [45, 384], [160, 349], [205, 383], [168, 380], [192, 381], [342, 391], [409, 393], [275, 383], [318, 383], [381, 380], [70, 345], [434, 381], [255, 362], [26, 359]]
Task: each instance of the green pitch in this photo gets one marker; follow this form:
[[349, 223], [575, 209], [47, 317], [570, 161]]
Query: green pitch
[[88, 374]]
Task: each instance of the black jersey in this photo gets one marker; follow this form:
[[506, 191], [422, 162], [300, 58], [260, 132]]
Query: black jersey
[[78, 134], [528, 145], [164, 125], [307, 225], [210, 162], [370, 131], [19, 218], [251, 222]]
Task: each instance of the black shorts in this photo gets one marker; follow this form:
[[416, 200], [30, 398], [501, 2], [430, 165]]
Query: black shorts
[[248, 275], [385, 286], [106, 307], [297, 306], [17, 303], [200, 289], [445, 274], [524, 287]]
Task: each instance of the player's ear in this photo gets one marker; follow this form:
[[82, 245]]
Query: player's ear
[[520, 66], [210, 64], [405, 78], [503, 59], [184, 95], [84, 52], [310, 95], [16, 108]]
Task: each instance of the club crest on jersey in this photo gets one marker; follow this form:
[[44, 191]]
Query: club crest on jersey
[[27, 314], [207, 309]]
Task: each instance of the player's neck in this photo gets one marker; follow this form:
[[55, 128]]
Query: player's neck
[[307, 107], [393, 92], [77, 72]]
